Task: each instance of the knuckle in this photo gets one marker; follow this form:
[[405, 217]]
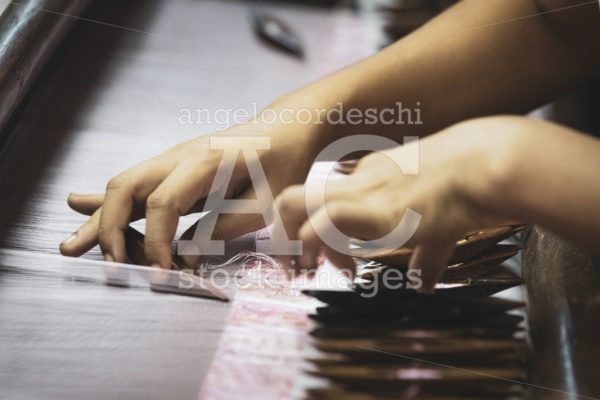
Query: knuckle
[[160, 201], [150, 244], [287, 197], [103, 236], [282, 205], [336, 212], [364, 162], [371, 160], [292, 192], [116, 183]]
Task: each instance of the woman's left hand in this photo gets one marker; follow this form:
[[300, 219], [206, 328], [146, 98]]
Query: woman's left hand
[[460, 169]]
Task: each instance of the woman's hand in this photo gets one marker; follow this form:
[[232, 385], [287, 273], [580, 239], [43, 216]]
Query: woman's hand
[[461, 169], [175, 183]]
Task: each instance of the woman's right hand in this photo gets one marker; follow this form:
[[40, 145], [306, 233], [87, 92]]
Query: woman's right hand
[[176, 183]]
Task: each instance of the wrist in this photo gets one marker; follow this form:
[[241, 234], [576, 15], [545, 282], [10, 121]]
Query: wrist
[[292, 143], [296, 120], [501, 146]]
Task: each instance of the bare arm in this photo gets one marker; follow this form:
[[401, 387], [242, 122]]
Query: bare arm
[[466, 63], [549, 175], [474, 174], [478, 58]]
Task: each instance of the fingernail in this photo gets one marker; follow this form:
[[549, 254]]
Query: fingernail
[[70, 239], [108, 258], [117, 275], [190, 253], [189, 249], [72, 197], [158, 275]]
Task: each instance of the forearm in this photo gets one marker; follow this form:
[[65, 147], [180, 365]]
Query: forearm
[[548, 174], [461, 65]]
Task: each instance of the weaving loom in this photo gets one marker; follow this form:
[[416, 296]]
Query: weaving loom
[[88, 88]]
